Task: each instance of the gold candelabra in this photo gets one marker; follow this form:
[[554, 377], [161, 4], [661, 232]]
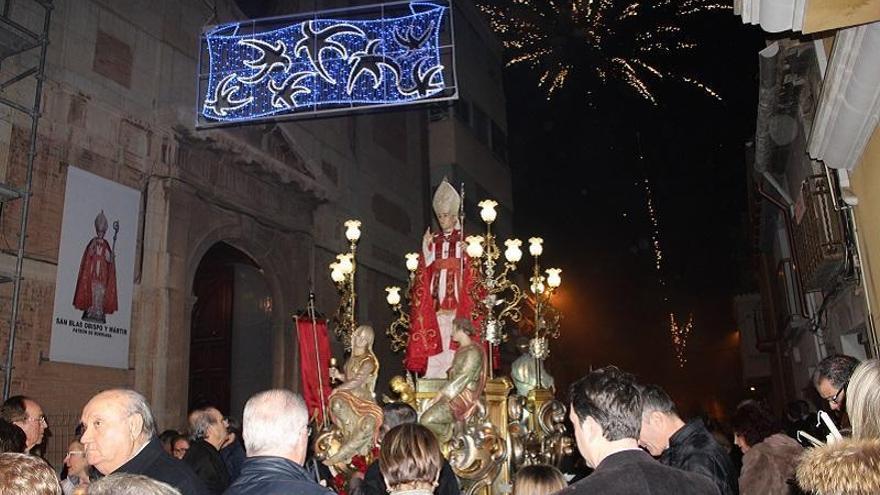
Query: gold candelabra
[[498, 296], [342, 272], [547, 317], [398, 331]]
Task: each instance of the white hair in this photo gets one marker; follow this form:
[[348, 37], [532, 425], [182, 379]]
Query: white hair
[[135, 403], [273, 421]]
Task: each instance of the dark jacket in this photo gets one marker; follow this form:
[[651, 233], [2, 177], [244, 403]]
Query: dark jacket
[[635, 472], [374, 483], [153, 462], [269, 475], [205, 460], [692, 448], [233, 456]]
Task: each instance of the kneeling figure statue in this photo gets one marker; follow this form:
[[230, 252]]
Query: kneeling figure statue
[[466, 379]]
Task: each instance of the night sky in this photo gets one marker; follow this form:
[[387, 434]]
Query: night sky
[[578, 178], [578, 183]]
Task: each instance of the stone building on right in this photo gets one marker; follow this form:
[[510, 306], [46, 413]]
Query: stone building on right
[[814, 195]]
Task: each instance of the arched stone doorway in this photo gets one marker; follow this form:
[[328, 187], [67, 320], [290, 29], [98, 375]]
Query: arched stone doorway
[[231, 330]]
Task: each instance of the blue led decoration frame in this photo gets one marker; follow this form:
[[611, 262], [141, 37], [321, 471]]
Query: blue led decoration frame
[[336, 61]]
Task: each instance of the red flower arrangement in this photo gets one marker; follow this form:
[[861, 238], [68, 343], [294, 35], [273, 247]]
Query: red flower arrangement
[[359, 463]]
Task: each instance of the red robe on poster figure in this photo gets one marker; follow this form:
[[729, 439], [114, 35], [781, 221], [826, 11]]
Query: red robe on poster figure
[[95, 292], [441, 292]]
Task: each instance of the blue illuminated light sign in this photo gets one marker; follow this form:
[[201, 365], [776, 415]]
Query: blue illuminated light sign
[[331, 61]]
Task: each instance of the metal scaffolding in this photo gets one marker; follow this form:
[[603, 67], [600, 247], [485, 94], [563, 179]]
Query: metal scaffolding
[[20, 38]]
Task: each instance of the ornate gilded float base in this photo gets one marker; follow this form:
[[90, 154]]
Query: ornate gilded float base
[[479, 447], [537, 430]]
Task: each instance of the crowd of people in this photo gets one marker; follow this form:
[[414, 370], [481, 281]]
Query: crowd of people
[[630, 436]]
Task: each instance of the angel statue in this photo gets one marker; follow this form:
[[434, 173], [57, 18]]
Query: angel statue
[[466, 379], [353, 410]]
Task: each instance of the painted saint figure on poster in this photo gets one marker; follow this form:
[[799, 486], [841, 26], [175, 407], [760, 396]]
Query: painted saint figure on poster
[[95, 292]]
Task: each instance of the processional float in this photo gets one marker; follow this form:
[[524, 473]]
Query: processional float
[[460, 304]]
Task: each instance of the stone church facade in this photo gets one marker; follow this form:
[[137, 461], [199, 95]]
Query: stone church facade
[[119, 102]]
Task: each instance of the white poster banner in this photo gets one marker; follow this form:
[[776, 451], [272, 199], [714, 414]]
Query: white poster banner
[[91, 320]]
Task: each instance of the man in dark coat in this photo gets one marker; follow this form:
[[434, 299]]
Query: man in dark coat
[[394, 414], [232, 452], [688, 446], [606, 410], [275, 434], [120, 436], [208, 429]]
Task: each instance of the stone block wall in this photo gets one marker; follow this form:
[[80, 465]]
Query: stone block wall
[[119, 102]]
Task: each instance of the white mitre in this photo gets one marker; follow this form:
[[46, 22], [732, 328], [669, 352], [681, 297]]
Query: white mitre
[[446, 199]]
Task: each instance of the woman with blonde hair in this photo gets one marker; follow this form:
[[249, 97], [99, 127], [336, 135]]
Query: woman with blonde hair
[[538, 479], [850, 466], [410, 460]]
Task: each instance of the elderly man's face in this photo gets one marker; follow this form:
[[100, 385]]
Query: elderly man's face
[[112, 436], [33, 425], [217, 431], [833, 395]]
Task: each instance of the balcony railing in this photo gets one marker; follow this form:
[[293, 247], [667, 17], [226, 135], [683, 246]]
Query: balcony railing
[[819, 235]]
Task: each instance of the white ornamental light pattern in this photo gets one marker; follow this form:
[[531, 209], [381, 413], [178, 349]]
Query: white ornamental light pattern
[[365, 57]]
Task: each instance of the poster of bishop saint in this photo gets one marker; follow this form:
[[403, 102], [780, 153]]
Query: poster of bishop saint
[[91, 320]]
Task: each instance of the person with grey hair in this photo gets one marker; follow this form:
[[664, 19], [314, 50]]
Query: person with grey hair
[[688, 446], [276, 434], [208, 430], [831, 378], [120, 436], [130, 484]]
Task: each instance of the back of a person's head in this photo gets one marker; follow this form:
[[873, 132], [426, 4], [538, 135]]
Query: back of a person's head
[[538, 479], [837, 369], [797, 409], [12, 438], [272, 422], [167, 436], [233, 425], [863, 400], [410, 457], [23, 474], [200, 419], [130, 484], [14, 408], [655, 399], [754, 422], [397, 413], [609, 396]]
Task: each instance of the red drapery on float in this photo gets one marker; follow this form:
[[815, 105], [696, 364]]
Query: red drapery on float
[[314, 365], [452, 291]]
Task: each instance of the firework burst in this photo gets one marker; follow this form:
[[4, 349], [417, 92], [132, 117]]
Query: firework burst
[[604, 40], [678, 331]]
